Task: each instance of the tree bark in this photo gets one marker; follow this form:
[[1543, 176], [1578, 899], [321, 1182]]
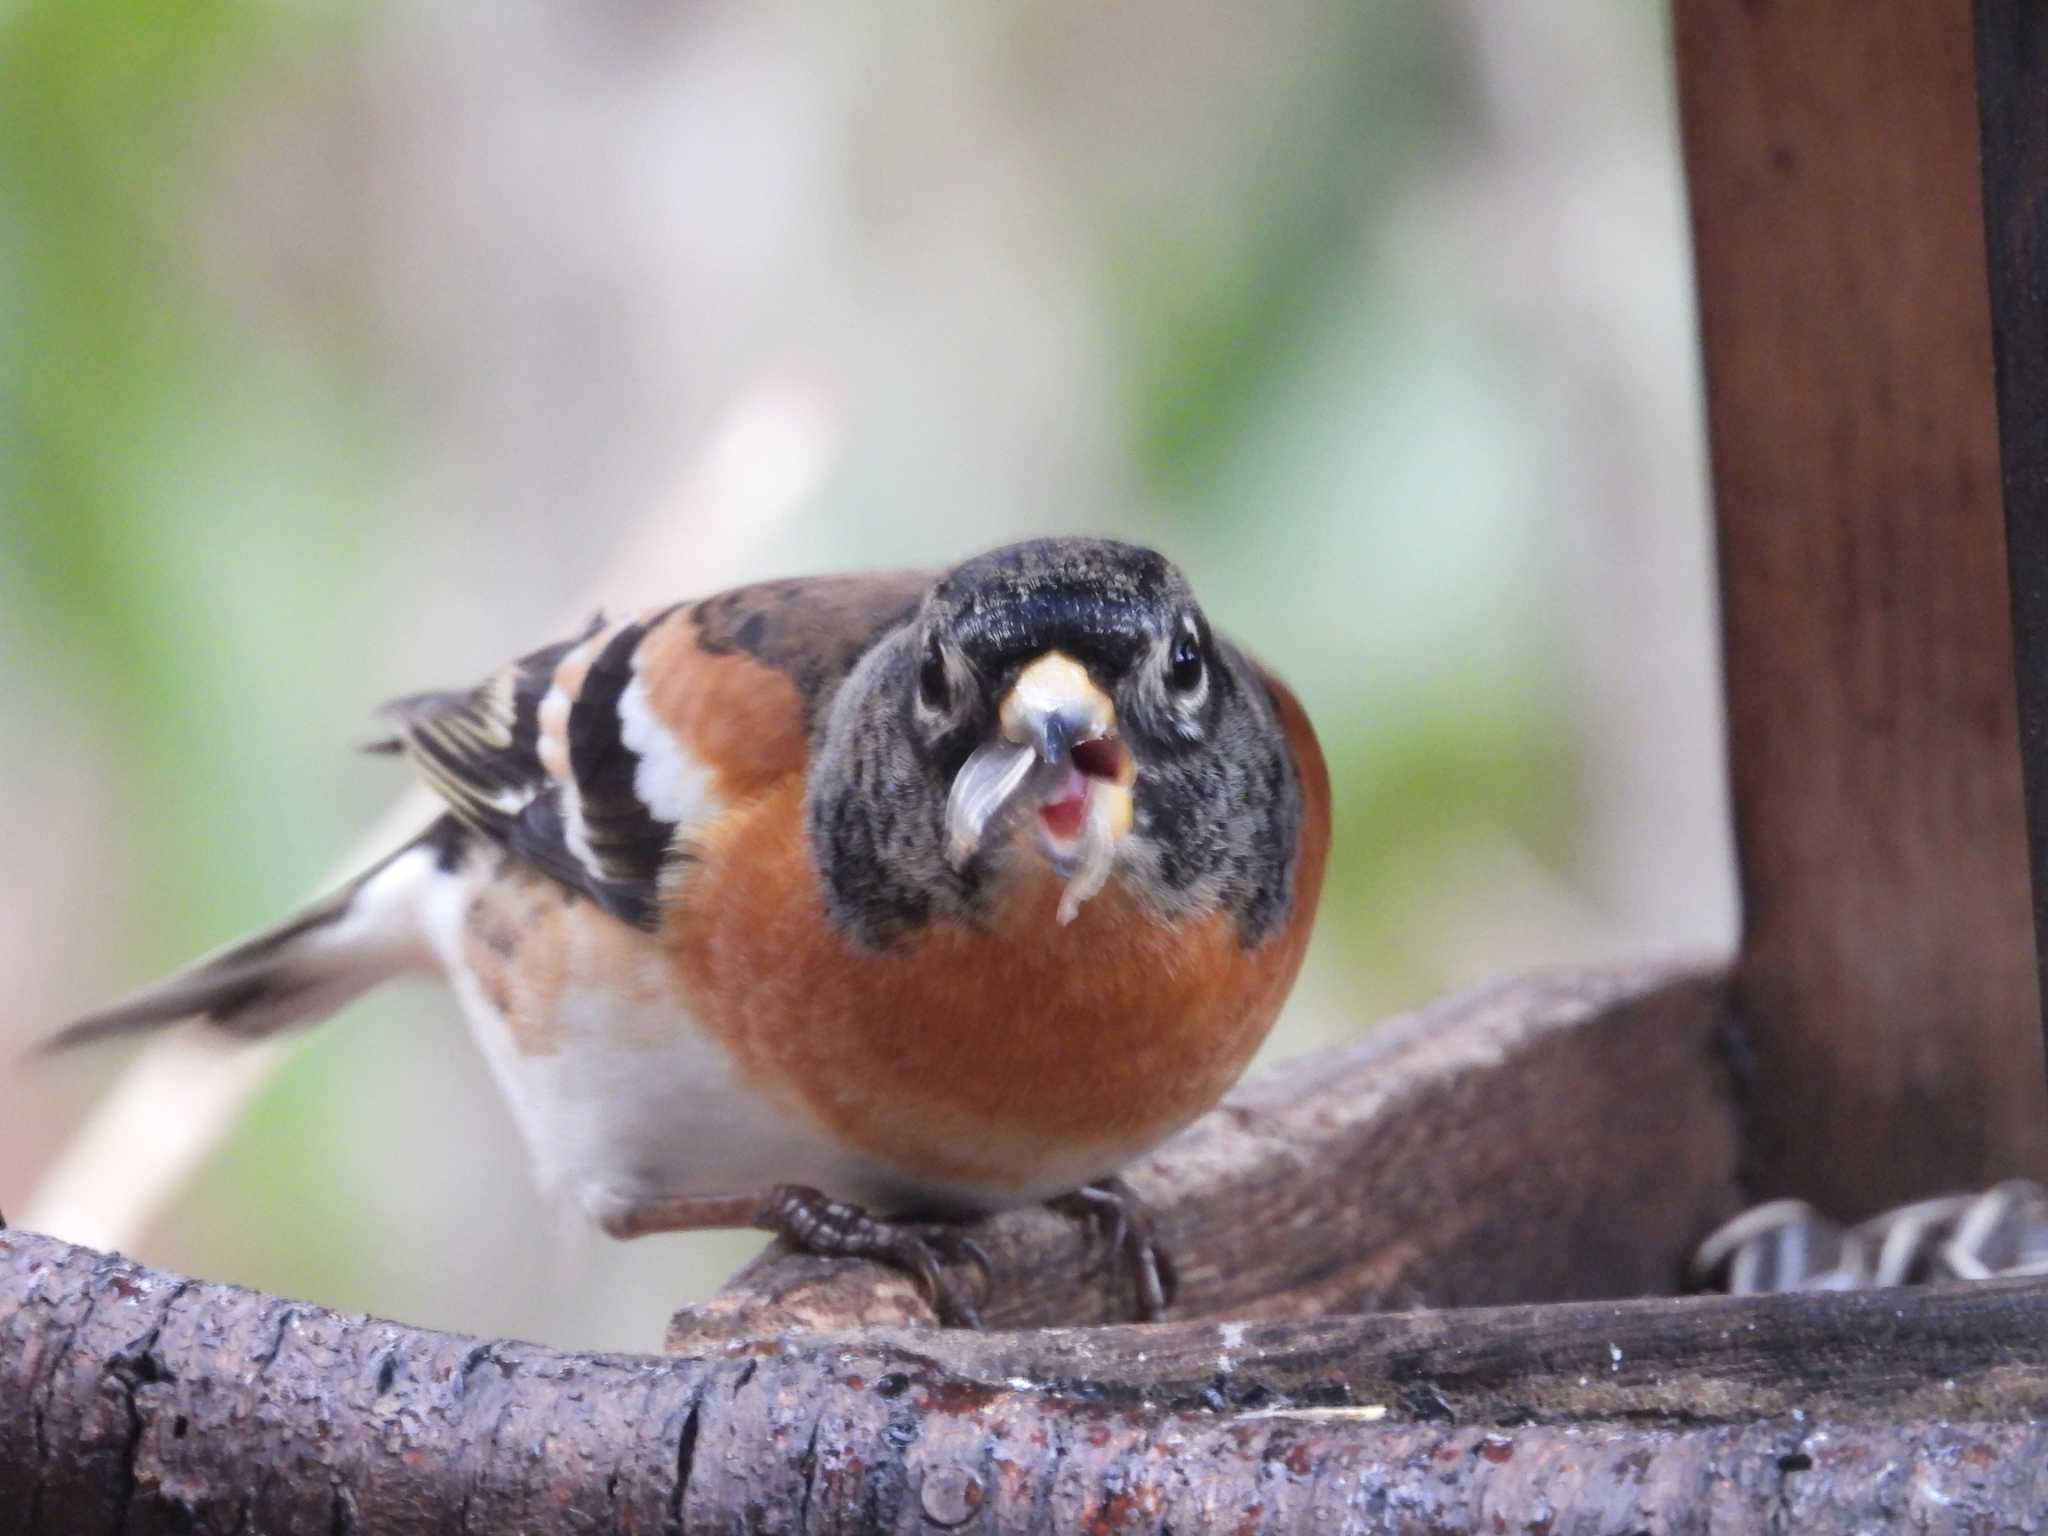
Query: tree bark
[[134, 1401]]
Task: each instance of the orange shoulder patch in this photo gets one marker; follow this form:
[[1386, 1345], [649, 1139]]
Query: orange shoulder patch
[[741, 719]]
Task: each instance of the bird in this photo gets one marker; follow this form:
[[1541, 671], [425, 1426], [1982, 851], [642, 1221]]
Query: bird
[[849, 907]]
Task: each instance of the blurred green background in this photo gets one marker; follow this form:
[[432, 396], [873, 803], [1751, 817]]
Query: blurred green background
[[342, 348]]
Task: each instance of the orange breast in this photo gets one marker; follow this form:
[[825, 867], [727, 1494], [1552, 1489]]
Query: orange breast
[[1017, 1058]]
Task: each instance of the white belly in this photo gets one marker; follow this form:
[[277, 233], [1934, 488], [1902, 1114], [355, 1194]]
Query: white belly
[[626, 1099]]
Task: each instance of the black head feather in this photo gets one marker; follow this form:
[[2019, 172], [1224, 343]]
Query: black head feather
[[1217, 800]]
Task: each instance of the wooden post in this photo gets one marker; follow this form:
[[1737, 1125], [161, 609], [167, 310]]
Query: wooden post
[[1886, 988], [2012, 77]]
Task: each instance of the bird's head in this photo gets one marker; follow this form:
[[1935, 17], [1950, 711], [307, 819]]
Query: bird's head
[[1061, 703]]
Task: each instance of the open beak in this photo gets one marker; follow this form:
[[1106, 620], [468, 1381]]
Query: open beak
[[1058, 757]]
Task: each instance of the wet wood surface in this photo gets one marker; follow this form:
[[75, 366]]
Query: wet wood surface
[[135, 1401]]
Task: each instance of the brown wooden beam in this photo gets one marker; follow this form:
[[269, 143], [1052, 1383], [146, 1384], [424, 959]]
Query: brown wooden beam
[[2012, 83], [1887, 977]]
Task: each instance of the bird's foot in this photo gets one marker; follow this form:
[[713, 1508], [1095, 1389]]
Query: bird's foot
[[1119, 1222], [933, 1254]]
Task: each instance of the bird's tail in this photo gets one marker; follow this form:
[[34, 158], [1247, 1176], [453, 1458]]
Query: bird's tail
[[301, 970]]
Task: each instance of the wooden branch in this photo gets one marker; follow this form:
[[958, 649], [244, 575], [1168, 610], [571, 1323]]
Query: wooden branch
[[1564, 1135], [1887, 976], [131, 1400]]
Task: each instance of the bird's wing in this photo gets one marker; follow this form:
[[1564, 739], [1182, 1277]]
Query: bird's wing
[[602, 760]]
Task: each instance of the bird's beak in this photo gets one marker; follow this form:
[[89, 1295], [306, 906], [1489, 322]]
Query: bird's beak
[[1057, 752], [1053, 706]]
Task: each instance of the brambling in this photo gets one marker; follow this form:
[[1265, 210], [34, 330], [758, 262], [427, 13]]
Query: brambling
[[843, 907]]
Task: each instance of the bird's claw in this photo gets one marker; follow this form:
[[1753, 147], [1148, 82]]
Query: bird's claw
[[936, 1257], [1118, 1226], [932, 1253]]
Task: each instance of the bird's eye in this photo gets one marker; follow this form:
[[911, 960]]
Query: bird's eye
[[934, 688], [1184, 667]]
